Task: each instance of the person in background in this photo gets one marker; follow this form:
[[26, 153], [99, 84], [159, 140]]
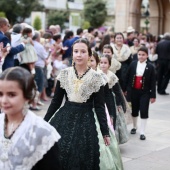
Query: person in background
[[9, 59], [28, 56], [16, 40], [134, 49], [122, 53], [39, 66], [163, 74], [69, 35], [130, 36]]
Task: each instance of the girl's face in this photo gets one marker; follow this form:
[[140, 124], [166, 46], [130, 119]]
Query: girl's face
[[93, 63], [142, 56], [107, 51], [119, 39], [59, 57], [80, 54], [59, 40], [135, 42], [104, 64], [11, 97], [30, 34]]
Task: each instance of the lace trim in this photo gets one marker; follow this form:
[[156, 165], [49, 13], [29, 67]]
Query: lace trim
[[47, 143], [112, 79], [115, 65], [103, 76], [124, 53], [80, 90]]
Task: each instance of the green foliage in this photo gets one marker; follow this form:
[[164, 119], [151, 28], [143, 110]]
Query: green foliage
[[2, 14], [95, 12], [86, 25], [18, 10], [37, 23], [58, 18]]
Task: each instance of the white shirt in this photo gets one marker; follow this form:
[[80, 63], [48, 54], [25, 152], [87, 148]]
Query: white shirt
[[58, 66], [140, 68], [41, 53]]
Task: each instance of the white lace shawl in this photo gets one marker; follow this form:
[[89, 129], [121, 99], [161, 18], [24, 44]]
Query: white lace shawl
[[123, 54], [90, 83], [115, 65], [103, 76], [31, 141], [112, 79]]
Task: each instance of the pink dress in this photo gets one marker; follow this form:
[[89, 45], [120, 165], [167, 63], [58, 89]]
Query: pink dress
[[108, 120]]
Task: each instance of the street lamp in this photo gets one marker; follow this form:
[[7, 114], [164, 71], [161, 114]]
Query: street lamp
[[146, 19], [146, 23]]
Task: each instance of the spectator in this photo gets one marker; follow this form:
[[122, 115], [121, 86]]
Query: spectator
[[163, 74], [9, 59]]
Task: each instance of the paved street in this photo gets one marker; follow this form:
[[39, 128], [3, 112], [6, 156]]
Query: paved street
[[154, 153]]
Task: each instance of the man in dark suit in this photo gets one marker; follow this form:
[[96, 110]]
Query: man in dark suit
[[163, 74], [9, 59], [140, 85]]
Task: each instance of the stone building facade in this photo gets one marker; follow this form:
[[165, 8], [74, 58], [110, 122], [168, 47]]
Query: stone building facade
[[129, 13]]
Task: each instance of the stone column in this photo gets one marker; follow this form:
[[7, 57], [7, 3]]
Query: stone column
[[166, 16], [135, 14], [128, 13], [121, 15]]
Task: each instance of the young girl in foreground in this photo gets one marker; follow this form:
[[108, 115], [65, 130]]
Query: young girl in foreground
[[26, 140], [83, 89], [121, 129], [28, 56]]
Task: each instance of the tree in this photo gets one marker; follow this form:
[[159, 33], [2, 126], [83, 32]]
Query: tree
[[95, 12], [2, 14], [18, 10], [85, 25], [58, 18], [37, 23]]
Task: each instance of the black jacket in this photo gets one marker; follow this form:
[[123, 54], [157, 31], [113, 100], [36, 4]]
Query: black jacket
[[163, 50], [148, 80]]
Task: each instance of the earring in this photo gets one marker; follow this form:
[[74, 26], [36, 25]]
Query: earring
[[25, 108]]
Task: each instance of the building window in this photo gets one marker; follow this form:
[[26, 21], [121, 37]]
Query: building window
[[70, 0]]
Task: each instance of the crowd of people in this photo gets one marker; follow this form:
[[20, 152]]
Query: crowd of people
[[98, 81]]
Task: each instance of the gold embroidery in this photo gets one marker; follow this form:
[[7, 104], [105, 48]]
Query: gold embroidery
[[77, 84]]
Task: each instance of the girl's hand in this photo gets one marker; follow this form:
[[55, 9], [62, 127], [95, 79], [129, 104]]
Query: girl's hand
[[64, 48], [119, 108], [106, 140], [125, 93], [111, 120], [152, 100]]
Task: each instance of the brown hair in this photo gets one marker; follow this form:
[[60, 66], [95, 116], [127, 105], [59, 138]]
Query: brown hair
[[24, 79], [26, 31], [144, 49], [96, 57], [108, 46], [119, 33], [108, 58], [85, 41]]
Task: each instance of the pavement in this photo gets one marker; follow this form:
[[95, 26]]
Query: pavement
[[154, 152]]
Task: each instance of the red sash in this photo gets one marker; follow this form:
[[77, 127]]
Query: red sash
[[138, 82]]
